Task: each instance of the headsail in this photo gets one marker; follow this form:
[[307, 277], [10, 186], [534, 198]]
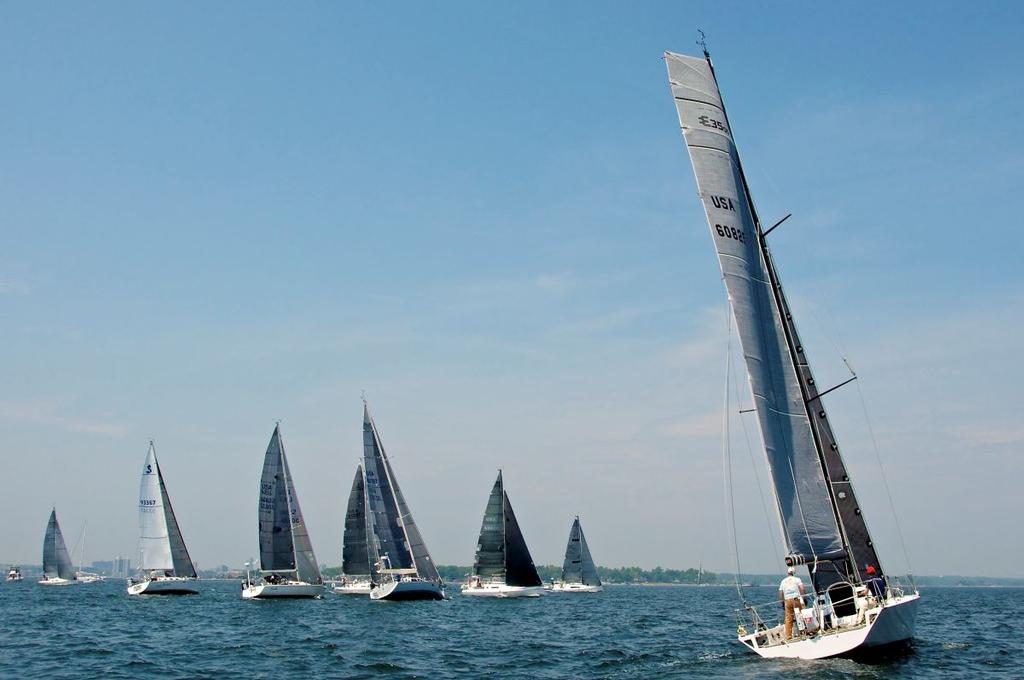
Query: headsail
[[519, 567], [355, 560], [578, 566], [56, 560], [394, 529], [305, 561], [815, 499], [183, 565]]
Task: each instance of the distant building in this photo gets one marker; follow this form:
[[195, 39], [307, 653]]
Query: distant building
[[122, 567]]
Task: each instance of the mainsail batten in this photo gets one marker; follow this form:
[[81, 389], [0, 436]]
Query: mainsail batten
[[810, 520]]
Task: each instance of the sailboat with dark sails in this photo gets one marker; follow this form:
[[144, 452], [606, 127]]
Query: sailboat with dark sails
[[165, 566], [288, 567], [579, 573], [355, 557], [57, 567], [857, 609], [503, 567], [402, 568]]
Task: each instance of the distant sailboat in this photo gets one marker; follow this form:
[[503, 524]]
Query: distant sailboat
[[402, 566], [288, 567], [81, 574], [57, 567], [165, 567], [579, 574], [503, 566], [856, 610], [355, 557]]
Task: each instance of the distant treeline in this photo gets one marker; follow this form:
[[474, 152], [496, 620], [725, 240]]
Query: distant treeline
[[548, 572]]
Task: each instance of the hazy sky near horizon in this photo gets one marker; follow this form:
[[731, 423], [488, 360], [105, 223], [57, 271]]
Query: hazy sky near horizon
[[483, 215]]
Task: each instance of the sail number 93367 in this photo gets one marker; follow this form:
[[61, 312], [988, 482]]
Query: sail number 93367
[[725, 231]]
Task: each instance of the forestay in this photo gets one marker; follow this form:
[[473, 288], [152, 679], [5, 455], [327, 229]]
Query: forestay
[[802, 494]]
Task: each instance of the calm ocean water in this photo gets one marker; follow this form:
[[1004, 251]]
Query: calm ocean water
[[626, 632]]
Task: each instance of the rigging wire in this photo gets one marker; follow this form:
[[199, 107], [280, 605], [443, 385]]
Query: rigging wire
[[885, 481], [730, 504]]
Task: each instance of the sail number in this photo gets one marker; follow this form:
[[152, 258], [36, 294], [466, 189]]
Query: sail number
[[726, 231], [712, 123], [145, 502]]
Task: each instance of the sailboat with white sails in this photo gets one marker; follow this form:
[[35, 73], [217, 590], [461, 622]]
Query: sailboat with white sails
[[502, 567], [355, 557], [288, 567], [579, 573], [402, 568], [165, 567], [857, 608], [57, 567]]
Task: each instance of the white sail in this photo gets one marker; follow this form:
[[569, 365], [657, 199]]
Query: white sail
[[154, 541]]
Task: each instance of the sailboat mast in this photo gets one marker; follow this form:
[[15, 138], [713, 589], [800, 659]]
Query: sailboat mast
[[504, 531], [848, 515]]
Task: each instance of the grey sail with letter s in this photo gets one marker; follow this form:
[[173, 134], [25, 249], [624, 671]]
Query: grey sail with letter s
[[284, 541], [56, 560], [814, 495]]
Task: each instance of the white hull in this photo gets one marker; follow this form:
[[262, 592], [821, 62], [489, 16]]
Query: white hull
[[88, 578], [167, 585], [58, 582], [292, 589], [575, 588], [500, 590], [407, 590], [354, 588], [891, 623]]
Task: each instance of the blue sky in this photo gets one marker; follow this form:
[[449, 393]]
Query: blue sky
[[484, 216]]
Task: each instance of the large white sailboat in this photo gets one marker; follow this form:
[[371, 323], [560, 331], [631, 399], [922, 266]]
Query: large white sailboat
[[165, 567], [857, 608], [288, 567], [502, 567], [579, 573], [57, 567], [402, 568], [355, 558]]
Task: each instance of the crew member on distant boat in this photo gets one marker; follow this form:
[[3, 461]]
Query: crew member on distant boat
[[791, 593]]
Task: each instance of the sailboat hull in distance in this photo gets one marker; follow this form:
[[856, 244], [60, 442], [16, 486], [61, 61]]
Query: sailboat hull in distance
[[165, 585], [414, 589], [575, 588], [352, 588], [56, 581], [501, 590], [268, 591]]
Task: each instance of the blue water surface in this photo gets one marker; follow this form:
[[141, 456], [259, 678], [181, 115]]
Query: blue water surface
[[96, 630]]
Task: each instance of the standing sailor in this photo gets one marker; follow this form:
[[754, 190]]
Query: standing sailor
[[791, 593]]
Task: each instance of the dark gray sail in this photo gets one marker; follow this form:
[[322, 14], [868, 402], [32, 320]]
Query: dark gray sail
[[182, 561], [355, 560], [56, 560], [578, 566], [501, 551], [306, 568], [821, 519], [284, 542], [519, 567], [394, 530], [490, 548]]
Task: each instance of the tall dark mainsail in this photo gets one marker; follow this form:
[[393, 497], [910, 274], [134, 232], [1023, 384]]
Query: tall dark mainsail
[[501, 549], [284, 541], [393, 529], [822, 521], [578, 566], [56, 560], [355, 560]]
